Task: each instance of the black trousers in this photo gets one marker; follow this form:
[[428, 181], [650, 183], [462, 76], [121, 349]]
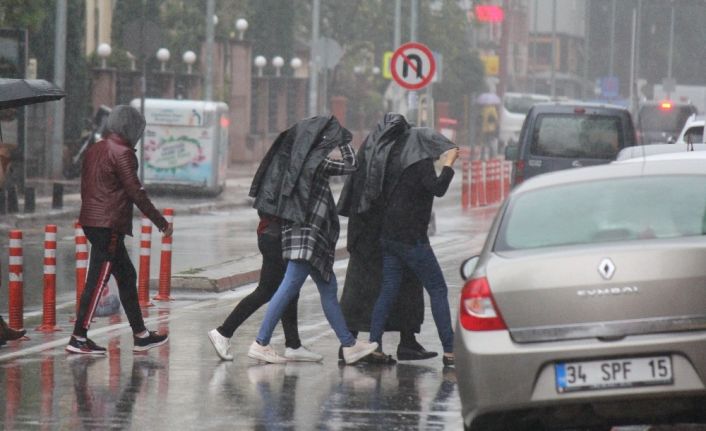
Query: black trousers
[[108, 247], [271, 275]]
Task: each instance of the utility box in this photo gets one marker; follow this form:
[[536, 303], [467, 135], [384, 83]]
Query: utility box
[[185, 145]]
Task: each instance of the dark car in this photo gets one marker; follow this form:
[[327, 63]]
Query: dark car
[[565, 135], [659, 122]]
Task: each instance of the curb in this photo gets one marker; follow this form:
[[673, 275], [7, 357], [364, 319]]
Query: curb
[[228, 282]]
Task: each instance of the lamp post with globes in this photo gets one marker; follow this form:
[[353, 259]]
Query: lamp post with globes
[[189, 84], [164, 78], [104, 80], [241, 92]]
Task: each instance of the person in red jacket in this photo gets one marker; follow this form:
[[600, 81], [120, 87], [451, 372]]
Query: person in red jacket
[[109, 188]]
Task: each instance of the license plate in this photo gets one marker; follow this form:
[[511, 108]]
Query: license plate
[[613, 373]]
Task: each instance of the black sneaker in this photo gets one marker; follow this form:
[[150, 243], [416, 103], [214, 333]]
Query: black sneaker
[[152, 340], [415, 353], [87, 347]]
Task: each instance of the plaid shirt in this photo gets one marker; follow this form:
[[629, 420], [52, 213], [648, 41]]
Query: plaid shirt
[[315, 239]]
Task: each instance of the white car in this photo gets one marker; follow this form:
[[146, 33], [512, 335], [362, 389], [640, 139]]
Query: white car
[[693, 129], [514, 108]]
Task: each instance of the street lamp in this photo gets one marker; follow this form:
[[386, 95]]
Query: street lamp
[[295, 63], [103, 52], [278, 62], [241, 25], [163, 57], [260, 62], [189, 58]]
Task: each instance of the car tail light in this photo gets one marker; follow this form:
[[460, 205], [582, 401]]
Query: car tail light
[[519, 171], [665, 105], [478, 309]]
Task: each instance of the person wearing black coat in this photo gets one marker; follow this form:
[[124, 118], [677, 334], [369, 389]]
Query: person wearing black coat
[[393, 145]]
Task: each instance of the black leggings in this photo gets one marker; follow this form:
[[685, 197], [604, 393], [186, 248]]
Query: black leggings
[[271, 274], [108, 246]]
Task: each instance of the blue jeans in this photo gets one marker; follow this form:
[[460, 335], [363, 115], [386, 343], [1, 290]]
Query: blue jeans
[[419, 258], [294, 277]]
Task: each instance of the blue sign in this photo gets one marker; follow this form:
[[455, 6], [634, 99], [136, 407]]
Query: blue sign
[[610, 87]]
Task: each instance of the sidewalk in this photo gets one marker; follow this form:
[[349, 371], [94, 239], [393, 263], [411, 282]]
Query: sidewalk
[[238, 179]]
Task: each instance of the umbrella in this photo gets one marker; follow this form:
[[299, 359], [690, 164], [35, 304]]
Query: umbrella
[[488, 99], [20, 92]]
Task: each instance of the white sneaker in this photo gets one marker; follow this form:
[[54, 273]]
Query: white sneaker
[[358, 351], [221, 344], [302, 354], [265, 353]]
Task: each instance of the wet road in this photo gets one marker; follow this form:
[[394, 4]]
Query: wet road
[[183, 385]]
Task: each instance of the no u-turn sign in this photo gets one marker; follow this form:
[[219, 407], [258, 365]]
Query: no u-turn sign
[[412, 65]]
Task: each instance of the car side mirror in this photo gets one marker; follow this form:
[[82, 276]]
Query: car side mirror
[[468, 266], [511, 152]]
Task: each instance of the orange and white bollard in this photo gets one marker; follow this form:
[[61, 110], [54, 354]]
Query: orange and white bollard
[[465, 186], [49, 307], [15, 287], [165, 264], [143, 280], [81, 261], [476, 177]]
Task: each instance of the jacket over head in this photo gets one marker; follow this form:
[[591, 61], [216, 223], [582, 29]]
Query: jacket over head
[[282, 184], [366, 185]]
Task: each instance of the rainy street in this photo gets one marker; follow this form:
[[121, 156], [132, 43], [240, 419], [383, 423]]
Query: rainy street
[[183, 385]]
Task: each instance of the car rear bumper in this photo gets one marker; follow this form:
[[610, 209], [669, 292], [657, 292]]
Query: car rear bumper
[[497, 375]]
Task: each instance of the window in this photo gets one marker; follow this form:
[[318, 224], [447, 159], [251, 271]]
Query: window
[[603, 211], [577, 136]]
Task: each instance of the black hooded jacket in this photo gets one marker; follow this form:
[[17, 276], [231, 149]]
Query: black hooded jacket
[[281, 186]]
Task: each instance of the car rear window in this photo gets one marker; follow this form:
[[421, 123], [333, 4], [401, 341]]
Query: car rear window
[[577, 136], [603, 211], [654, 119]]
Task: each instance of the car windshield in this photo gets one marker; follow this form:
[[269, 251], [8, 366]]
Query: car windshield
[[520, 104], [654, 119], [607, 210], [577, 136]]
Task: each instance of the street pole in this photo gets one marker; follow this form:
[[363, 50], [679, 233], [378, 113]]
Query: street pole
[[396, 41], [612, 39], [586, 49], [210, 11], [534, 46], [671, 43], [57, 141], [552, 79], [313, 60], [397, 38], [633, 108], [412, 96], [504, 39]]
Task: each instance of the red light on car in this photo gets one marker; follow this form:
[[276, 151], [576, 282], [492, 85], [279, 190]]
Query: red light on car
[[579, 110], [478, 309], [225, 122], [665, 106]]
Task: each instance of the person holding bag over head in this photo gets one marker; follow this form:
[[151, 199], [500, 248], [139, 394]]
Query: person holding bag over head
[[294, 186]]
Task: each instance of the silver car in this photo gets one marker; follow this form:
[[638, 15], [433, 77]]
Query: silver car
[[587, 304]]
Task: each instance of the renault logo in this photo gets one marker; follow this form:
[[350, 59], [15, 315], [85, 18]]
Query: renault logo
[[606, 268]]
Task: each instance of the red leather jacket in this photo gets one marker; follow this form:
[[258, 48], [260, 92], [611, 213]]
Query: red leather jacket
[[110, 186]]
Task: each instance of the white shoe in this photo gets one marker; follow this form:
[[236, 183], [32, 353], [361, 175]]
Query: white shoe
[[302, 354], [265, 353], [358, 351], [221, 344]]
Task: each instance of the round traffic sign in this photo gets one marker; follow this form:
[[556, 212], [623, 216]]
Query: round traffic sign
[[413, 65]]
